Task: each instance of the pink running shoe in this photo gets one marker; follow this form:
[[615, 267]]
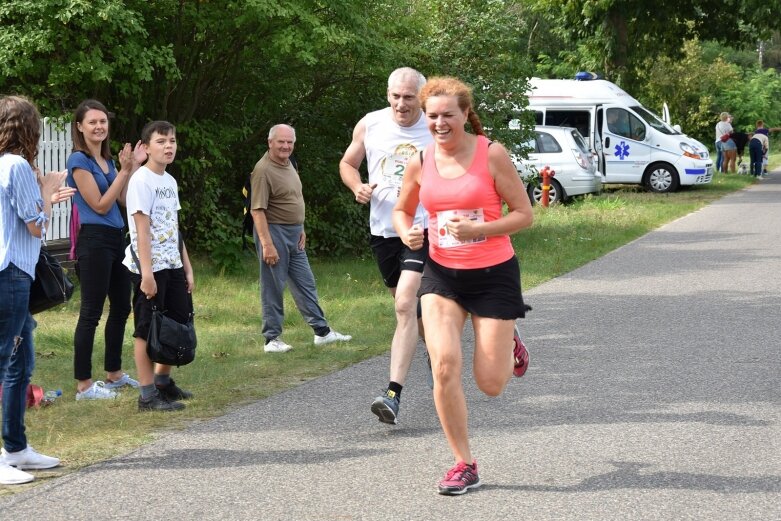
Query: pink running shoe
[[520, 355], [459, 479]]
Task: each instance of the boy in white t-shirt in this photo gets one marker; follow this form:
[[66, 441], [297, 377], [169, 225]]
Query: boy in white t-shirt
[[165, 273]]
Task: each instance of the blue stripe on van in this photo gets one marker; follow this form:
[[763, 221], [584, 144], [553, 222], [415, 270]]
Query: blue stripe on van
[[695, 171]]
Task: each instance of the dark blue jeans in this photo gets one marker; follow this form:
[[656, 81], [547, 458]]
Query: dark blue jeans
[[100, 251], [755, 155], [17, 354]]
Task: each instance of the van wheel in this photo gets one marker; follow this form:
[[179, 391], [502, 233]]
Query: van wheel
[[555, 195], [661, 178]]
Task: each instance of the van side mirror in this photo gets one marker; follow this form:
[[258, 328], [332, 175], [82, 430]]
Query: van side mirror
[[677, 128]]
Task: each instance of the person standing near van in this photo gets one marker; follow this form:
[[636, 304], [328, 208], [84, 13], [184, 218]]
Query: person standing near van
[[724, 126], [100, 247], [388, 139], [757, 148]]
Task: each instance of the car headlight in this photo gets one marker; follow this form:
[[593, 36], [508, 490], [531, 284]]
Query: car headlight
[[689, 151]]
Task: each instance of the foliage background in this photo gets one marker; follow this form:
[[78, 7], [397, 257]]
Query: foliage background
[[225, 71]]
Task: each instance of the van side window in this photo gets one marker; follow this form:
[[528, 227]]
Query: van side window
[[546, 144], [624, 124], [579, 119], [538, 117]]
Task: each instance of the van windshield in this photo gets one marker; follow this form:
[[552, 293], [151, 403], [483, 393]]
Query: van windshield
[[654, 120]]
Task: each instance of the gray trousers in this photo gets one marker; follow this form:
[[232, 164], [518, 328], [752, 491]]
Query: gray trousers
[[293, 268]]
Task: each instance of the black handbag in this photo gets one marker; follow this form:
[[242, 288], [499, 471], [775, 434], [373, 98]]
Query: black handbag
[[51, 286], [170, 342]]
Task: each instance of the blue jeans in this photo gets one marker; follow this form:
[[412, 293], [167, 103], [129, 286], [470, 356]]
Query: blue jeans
[[293, 267], [17, 355], [719, 155], [755, 152]]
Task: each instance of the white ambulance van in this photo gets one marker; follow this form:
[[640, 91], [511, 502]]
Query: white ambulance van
[[632, 144]]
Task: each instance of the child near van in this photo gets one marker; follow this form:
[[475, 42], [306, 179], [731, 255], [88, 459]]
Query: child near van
[[165, 275]]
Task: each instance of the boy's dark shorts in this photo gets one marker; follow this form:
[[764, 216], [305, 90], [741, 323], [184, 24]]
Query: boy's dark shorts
[[493, 292], [172, 298], [393, 256]]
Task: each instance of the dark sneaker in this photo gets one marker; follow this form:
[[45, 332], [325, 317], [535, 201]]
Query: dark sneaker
[[386, 407], [172, 392], [459, 479], [158, 402], [520, 355]]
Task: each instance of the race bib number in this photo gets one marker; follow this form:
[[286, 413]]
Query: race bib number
[[444, 239], [394, 165]]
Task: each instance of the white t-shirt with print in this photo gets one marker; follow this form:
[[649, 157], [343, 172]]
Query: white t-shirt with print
[[157, 196]]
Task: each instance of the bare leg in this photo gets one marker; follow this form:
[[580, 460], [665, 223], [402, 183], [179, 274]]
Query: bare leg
[[447, 318], [493, 362], [405, 338], [144, 365]]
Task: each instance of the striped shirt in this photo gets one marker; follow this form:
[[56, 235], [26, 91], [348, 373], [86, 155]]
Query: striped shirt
[[20, 203]]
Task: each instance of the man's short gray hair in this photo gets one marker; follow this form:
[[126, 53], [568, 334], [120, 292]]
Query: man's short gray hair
[[273, 131], [406, 73]]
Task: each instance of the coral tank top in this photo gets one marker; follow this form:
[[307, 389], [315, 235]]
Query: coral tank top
[[472, 195]]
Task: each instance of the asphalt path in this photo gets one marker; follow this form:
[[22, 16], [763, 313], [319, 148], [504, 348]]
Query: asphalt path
[[653, 393]]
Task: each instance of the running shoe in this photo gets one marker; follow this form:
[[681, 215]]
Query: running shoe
[[386, 407], [520, 355], [459, 479]]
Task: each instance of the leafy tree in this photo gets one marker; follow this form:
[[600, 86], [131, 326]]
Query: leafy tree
[[482, 43], [60, 51], [623, 34]]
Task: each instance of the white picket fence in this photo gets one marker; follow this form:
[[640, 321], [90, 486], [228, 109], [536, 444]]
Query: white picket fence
[[54, 148]]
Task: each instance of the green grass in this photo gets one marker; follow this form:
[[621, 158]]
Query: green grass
[[231, 368]]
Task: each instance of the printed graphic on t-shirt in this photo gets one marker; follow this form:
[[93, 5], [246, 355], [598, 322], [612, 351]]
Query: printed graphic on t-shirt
[[156, 196], [393, 166], [165, 240], [444, 239]]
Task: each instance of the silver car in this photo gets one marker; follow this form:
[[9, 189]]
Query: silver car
[[564, 151]]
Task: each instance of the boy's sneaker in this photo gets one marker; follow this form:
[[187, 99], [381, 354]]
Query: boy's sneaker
[[520, 355], [123, 380], [277, 346], [97, 391], [330, 338], [386, 407], [172, 392], [12, 476], [28, 459], [459, 479], [158, 402]]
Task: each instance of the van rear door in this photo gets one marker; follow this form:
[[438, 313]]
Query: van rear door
[[625, 145]]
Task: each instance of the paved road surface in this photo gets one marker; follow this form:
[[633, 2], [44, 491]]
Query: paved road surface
[[653, 393]]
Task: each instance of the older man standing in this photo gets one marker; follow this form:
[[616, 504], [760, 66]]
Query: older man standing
[[277, 206], [388, 139]]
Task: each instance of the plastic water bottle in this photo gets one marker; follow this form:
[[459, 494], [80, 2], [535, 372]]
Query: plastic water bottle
[[50, 396]]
